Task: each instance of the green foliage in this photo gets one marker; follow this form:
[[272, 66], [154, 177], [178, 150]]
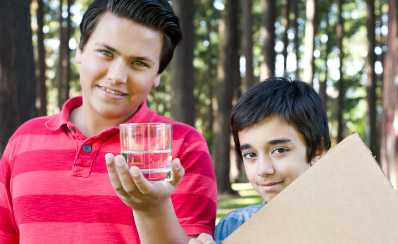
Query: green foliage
[[159, 98], [206, 56], [246, 196]]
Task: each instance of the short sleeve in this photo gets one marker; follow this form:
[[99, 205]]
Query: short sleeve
[[195, 198], [8, 228]]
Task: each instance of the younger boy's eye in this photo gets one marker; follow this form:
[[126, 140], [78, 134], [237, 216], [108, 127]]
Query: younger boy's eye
[[249, 155], [279, 150]]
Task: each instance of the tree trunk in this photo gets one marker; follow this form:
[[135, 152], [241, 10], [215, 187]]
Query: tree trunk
[[323, 84], [60, 70], [296, 36], [340, 107], [371, 133], [66, 62], [389, 125], [41, 60], [248, 43], [237, 93], [63, 68], [211, 79], [236, 47], [381, 40], [17, 75], [268, 65], [309, 41], [285, 23], [182, 72], [224, 90]]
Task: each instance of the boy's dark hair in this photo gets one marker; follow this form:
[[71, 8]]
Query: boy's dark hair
[[155, 14], [294, 101]]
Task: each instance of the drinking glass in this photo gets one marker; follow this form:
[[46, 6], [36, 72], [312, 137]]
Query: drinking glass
[[148, 146]]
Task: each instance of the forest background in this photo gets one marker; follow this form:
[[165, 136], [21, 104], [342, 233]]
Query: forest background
[[347, 49]]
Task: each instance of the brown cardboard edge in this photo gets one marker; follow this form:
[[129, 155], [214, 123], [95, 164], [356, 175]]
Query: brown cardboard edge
[[353, 139]]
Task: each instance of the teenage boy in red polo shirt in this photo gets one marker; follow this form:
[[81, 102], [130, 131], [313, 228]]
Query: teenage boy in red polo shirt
[[54, 182]]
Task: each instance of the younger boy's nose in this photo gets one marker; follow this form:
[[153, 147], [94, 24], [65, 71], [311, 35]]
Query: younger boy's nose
[[117, 72], [265, 167]]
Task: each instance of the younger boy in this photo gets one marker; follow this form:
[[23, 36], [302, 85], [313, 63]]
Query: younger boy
[[54, 181], [280, 129]]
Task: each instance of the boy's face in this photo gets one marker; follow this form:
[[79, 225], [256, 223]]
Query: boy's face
[[274, 155], [119, 66]]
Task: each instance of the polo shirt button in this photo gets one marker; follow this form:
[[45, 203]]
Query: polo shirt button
[[72, 130], [87, 148]]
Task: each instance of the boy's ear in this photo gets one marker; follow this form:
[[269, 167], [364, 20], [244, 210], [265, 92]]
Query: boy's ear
[[318, 154], [156, 82], [78, 55]]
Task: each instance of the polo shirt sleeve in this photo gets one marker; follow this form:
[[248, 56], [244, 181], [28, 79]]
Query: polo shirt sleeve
[[195, 198], [8, 228]]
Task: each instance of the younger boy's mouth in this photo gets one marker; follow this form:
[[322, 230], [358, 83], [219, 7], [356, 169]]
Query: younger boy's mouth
[[270, 186]]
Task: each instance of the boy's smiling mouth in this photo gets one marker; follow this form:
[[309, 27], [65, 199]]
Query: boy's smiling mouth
[[114, 92], [270, 186]]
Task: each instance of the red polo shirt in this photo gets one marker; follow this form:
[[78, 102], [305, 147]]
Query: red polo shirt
[[54, 185]]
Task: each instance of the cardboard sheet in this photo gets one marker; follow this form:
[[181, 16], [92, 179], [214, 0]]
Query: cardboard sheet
[[344, 198]]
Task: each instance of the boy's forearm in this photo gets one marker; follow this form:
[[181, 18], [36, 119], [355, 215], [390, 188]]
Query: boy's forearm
[[159, 225]]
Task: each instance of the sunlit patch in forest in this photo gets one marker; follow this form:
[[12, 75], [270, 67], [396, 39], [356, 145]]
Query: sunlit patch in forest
[[246, 196]]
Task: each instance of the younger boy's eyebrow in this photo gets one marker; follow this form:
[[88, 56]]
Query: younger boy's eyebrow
[[245, 146], [278, 141], [271, 142]]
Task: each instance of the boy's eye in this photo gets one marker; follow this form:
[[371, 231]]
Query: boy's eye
[[279, 150], [106, 53], [139, 63], [249, 155]]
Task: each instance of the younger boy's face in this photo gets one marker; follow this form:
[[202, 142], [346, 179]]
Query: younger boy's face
[[274, 155]]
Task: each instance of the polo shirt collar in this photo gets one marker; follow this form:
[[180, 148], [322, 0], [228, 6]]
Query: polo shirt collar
[[62, 118], [143, 114]]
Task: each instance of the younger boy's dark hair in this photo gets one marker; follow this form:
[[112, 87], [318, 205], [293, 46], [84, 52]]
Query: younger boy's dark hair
[[155, 14], [296, 102]]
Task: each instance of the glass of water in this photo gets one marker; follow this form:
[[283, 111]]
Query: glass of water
[[148, 146]]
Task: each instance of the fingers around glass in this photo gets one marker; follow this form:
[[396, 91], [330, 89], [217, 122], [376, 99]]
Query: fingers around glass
[[124, 175]]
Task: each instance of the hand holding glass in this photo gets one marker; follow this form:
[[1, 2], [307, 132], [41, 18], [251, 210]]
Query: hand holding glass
[[148, 146]]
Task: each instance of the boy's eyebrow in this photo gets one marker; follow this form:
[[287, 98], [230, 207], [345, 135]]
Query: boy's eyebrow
[[107, 47], [118, 53], [245, 146], [271, 142], [278, 141]]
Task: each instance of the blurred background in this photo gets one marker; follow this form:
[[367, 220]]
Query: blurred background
[[347, 49]]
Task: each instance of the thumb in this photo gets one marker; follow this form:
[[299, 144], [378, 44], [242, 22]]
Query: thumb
[[177, 172]]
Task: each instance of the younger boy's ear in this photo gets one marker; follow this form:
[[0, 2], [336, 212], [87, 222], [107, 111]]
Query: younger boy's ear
[[318, 154]]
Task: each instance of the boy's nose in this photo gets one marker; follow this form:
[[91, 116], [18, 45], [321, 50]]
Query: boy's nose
[[265, 167], [117, 72]]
